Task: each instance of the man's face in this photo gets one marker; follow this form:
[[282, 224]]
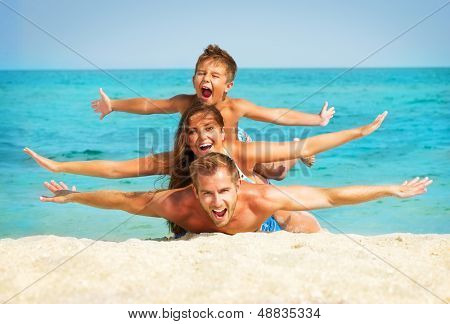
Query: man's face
[[218, 195], [210, 82], [204, 135]]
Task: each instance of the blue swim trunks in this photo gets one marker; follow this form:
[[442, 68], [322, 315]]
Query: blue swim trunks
[[270, 225]]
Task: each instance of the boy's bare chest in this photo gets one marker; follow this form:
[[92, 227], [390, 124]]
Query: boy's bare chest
[[230, 116]]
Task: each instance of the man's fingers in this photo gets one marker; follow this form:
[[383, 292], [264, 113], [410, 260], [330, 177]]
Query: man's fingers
[[414, 181], [424, 183], [324, 108], [46, 199], [50, 186], [74, 188], [57, 185], [63, 185]]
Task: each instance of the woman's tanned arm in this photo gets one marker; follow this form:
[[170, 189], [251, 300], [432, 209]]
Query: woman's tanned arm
[[149, 165], [263, 152]]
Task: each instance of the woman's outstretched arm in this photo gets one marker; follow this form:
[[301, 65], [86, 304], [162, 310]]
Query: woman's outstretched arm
[[263, 152], [149, 165]]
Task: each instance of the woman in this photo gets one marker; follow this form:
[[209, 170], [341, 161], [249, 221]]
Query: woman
[[201, 131]]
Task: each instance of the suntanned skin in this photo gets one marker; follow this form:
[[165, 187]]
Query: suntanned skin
[[246, 205], [214, 76], [205, 130]]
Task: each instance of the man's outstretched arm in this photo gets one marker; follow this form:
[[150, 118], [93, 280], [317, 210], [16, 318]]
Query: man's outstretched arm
[[309, 198], [141, 203]]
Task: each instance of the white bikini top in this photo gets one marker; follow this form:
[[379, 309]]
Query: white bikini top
[[242, 175]]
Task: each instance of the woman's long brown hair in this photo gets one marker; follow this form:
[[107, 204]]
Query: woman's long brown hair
[[183, 155]]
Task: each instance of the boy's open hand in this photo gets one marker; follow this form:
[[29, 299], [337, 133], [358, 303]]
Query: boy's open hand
[[60, 190], [412, 188], [102, 105], [42, 161], [326, 114], [373, 126]]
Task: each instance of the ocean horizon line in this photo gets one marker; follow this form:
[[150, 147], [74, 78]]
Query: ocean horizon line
[[241, 68]]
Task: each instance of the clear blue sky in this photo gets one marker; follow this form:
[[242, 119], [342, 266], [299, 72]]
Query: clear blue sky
[[171, 34]]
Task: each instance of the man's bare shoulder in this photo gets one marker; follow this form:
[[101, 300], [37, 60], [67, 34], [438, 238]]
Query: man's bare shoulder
[[257, 199], [179, 203], [183, 101], [256, 193]]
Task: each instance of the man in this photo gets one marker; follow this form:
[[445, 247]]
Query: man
[[219, 202]]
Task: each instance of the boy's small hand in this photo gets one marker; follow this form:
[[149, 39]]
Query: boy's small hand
[[326, 114], [60, 190], [103, 105]]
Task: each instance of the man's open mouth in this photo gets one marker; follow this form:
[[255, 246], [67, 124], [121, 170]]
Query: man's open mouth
[[206, 92], [205, 147], [219, 213]]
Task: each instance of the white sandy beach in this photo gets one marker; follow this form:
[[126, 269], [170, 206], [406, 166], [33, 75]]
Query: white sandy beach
[[215, 268]]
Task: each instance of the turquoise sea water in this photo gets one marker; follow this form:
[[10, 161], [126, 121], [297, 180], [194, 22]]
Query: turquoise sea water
[[49, 111]]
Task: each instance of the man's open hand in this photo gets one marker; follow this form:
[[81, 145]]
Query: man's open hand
[[413, 187], [60, 191]]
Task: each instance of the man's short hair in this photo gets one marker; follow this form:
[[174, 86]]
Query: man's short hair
[[209, 164], [217, 54]]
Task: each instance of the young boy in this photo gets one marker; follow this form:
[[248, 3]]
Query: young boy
[[213, 79]]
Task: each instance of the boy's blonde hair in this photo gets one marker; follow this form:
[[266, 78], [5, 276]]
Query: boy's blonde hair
[[217, 54]]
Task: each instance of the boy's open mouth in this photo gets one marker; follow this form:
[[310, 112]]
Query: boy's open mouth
[[205, 147], [206, 92], [219, 213]]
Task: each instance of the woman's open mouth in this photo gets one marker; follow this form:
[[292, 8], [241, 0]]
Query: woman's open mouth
[[205, 147]]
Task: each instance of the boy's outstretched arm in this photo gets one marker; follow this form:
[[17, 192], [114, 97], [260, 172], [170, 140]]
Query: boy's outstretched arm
[[143, 106], [285, 116], [140, 203], [309, 198]]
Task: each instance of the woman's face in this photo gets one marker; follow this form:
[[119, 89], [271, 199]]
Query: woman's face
[[204, 134]]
